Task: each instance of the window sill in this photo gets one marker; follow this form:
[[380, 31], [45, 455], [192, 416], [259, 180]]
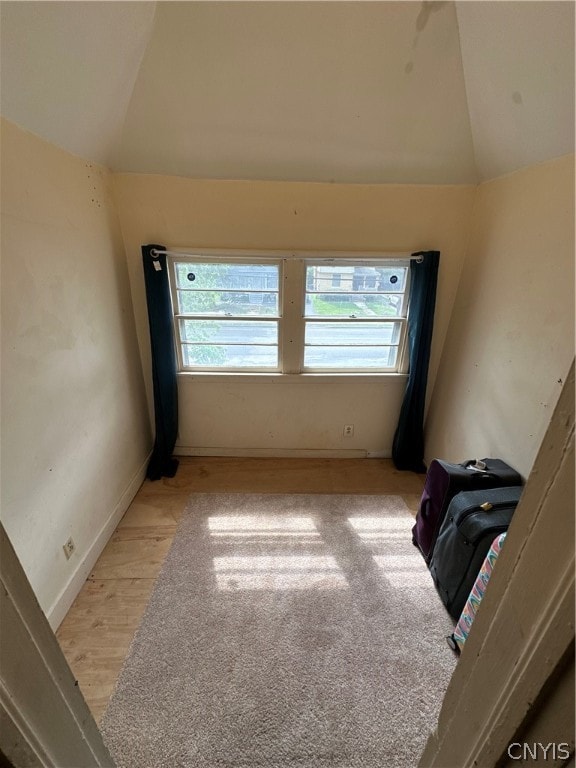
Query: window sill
[[213, 377]]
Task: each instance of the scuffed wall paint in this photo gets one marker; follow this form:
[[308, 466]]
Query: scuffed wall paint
[[75, 431], [511, 336]]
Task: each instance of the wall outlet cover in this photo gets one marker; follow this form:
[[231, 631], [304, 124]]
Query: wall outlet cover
[[69, 548]]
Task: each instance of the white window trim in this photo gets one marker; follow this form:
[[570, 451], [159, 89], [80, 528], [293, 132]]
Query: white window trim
[[291, 320]]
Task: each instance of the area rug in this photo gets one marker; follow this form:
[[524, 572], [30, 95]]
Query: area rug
[[285, 631]]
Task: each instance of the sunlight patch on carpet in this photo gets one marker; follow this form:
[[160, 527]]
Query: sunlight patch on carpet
[[285, 631]]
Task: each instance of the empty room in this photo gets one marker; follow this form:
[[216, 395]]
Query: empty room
[[280, 281]]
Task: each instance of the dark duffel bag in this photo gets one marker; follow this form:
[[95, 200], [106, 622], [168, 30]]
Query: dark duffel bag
[[443, 481], [473, 520]]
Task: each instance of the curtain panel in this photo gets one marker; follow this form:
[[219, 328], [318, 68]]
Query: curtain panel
[[164, 366], [408, 445]]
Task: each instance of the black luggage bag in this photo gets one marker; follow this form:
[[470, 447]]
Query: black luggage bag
[[443, 481], [473, 520]]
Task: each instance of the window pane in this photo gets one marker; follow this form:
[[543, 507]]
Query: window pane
[[350, 357], [353, 305], [392, 279], [352, 333], [201, 276], [229, 356], [227, 303], [228, 332], [323, 277]]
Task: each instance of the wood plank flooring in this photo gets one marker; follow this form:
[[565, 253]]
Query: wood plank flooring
[[96, 634]]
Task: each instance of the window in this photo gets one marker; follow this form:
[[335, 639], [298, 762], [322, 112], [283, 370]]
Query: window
[[289, 315], [361, 326], [226, 314], [336, 280]]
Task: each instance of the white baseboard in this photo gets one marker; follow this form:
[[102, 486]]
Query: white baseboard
[[61, 605], [277, 453]]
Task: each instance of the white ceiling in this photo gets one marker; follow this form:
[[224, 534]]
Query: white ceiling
[[68, 69], [370, 92], [519, 69], [313, 91]]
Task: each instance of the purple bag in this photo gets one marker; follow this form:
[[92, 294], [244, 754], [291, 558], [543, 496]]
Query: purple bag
[[443, 482]]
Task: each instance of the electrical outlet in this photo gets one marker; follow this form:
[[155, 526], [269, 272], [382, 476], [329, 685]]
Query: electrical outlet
[[68, 548], [348, 430]]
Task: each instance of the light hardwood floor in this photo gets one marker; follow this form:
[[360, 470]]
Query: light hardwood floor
[[96, 634]]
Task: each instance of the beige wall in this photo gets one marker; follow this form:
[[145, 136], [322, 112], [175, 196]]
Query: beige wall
[[511, 338], [295, 414], [75, 433]]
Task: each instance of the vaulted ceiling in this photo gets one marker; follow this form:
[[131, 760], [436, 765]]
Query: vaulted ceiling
[[366, 92]]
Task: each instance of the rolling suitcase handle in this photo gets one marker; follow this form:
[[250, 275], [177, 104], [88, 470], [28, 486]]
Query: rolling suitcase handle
[[476, 464]]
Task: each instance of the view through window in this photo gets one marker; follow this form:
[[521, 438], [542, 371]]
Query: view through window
[[289, 315], [354, 316]]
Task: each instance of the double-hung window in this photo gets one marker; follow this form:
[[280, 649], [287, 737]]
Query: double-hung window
[[357, 322], [296, 313], [227, 313]]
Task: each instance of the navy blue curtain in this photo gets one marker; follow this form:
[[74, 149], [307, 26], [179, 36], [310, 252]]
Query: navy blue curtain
[[162, 463], [408, 445]]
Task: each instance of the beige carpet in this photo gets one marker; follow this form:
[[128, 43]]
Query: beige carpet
[[285, 631]]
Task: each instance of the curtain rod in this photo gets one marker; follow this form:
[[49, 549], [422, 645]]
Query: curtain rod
[[419, 258]]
